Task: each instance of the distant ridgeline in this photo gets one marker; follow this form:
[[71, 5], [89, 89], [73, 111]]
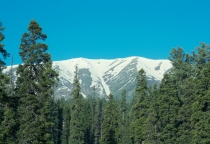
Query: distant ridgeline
[[102, 77]]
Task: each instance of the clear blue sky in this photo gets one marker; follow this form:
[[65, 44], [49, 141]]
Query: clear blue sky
[[108, 28]]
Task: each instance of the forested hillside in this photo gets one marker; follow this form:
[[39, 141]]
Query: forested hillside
[[177, 111]]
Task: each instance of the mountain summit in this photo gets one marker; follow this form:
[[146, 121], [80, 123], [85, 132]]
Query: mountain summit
[[102, 77]]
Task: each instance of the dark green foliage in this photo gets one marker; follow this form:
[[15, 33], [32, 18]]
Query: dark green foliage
[[8, 105], [152, 115], [90, 119], [4, 53], [77, 122], [124, 121], [184, 116], [182, 68], [139, 127], [168, 103], [2, 97], [180, 62], [34, 87], [57, 118], [110, 125], [98, 121], [176, 86], [66, 121], [8, 127], [201, 57], [2, 77], [201, 108]]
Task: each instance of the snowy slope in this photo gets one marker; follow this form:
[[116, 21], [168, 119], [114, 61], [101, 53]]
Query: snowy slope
[[109, 76], [106, 76]]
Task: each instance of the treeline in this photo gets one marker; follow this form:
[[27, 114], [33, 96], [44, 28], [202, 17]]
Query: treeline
[[173, 112]]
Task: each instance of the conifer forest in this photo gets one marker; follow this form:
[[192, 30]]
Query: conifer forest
[[176, 111]]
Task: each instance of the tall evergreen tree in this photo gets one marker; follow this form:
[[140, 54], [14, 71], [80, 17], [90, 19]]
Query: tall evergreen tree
[[110, 125], [200, 117], [66, 121], [181, 67], [8, 128], [180, 73], [2, 80], [168, 107], [8, 124], [34, 87], [3, 51], [201, 57], [98, 121], [124, 120], [184, 116], [77, 122], [152, 115], [139, 127], [90, 119], [57, 115]]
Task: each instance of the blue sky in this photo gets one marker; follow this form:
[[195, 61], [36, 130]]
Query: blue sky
[[108, 28]]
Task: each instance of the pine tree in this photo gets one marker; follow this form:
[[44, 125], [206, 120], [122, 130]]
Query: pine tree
[[139, 127], [124, 120], [181, 68], [110, 125], [2, 77], [3, 51], [90, 119], [200, 117], [168, 104], [77, 126], [8, 128], [98, 121], [34, 87], [180, 73], [8, 124], [185, 111], [60, 122], [152, 115], [201, 57], [57, 115], [66, 121]]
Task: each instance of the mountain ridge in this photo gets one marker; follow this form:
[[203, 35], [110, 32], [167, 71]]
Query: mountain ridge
[[106, 76]]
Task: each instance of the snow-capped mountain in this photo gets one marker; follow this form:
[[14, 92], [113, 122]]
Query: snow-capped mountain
[[106, 76]]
